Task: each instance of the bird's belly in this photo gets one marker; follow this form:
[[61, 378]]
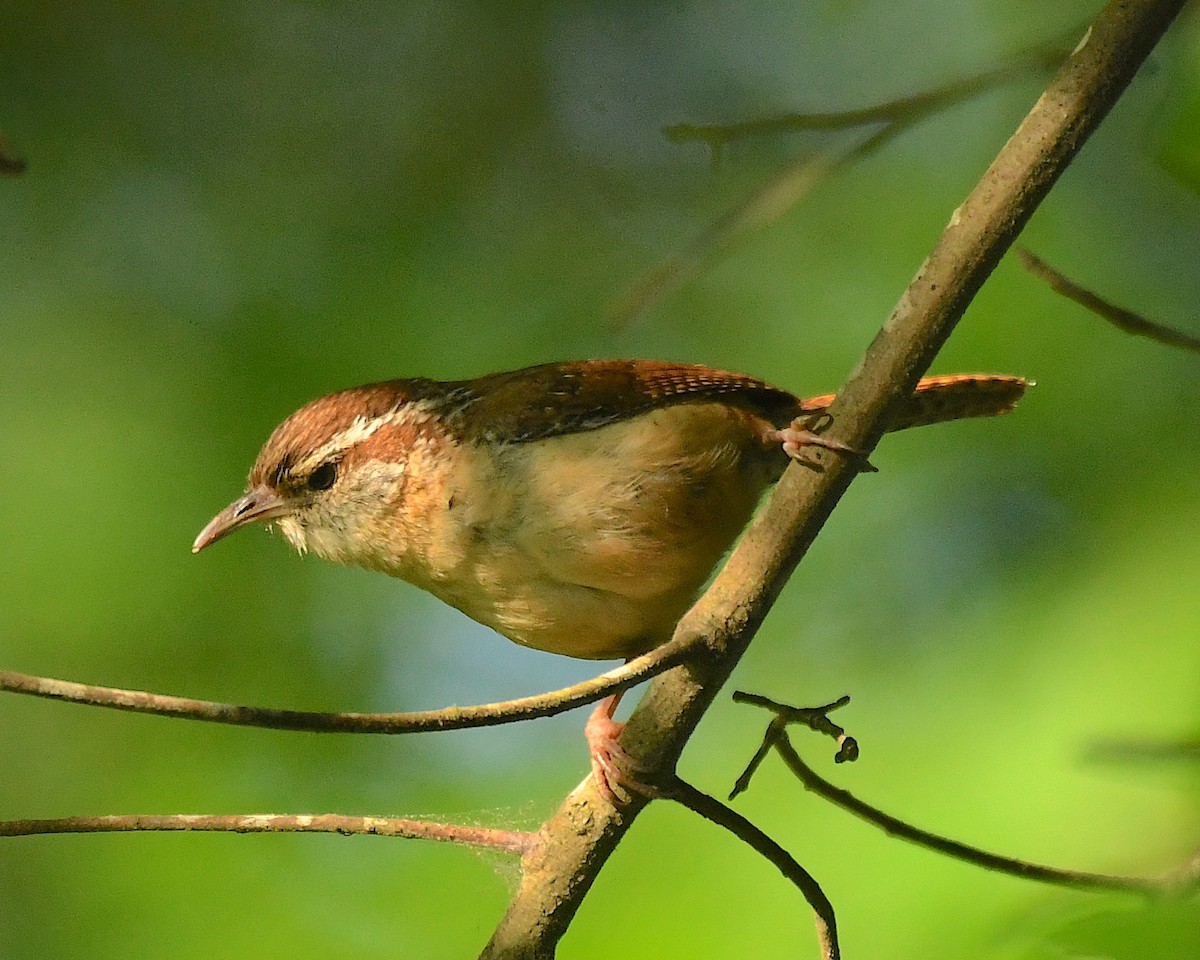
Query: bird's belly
[[594, 544], [582, 622], [536, 599]]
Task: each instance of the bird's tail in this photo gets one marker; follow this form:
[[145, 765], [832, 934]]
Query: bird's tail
[[938, 399]]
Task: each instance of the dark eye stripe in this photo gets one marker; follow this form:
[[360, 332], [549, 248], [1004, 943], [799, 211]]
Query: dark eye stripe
[[280, 473]]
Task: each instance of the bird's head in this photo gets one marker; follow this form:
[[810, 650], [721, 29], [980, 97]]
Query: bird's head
[[334, 475]]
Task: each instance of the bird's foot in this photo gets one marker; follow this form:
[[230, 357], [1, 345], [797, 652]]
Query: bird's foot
[[613, 769], [800, 434]]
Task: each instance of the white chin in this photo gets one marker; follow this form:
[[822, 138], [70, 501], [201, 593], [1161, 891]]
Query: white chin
[[293, 531]]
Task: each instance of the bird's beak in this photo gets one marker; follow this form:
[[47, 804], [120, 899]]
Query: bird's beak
[[258, 506]]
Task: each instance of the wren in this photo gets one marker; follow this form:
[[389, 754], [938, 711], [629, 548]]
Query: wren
[[575, 507]]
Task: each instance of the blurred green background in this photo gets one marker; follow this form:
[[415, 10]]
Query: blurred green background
[[231, 208]]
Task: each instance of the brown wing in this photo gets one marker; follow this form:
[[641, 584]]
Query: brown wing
[[572, 397]]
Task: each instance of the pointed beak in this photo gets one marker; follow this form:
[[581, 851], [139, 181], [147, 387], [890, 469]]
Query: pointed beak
[[258, 506]]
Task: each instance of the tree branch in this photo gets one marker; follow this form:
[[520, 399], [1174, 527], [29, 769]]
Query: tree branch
[[815, 718], [715, 811], [508, 841], [422, 721], [585, 830], [903, 111], [789, 186], [1119, 317], [893, 826]]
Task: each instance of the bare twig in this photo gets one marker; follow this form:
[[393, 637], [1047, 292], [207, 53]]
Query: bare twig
[[586, 829], [906, 111], [815, 718], [1119, 317], [509, 841], [791, 184], [776, 737], [896, 827], [421, 721], [715, 811]]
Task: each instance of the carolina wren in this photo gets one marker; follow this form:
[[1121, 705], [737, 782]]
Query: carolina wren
[[573, 507]]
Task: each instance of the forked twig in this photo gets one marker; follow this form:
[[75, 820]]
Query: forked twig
[[815, 718], [790, 185], [903, 110], [1184, 878]]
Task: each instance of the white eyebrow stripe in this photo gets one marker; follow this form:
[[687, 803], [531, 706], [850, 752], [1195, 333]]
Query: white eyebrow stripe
[[361, 429]]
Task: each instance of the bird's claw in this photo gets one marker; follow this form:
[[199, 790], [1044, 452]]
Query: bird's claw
[[798, 435], [613, 769]]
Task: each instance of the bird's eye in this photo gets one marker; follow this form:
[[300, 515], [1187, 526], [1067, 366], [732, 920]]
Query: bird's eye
[[323, 477]]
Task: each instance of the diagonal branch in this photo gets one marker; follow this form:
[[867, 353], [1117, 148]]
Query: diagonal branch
[[449, 718], [1119, 317], [585, 830]]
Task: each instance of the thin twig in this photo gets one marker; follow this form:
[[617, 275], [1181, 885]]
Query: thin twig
[[764, 206], [776, 737], [714, 810], [815, 718], [421, 721], [790, 185], [775, 729], [905, 110], [510, 841], [895, 827], [1119, 317]]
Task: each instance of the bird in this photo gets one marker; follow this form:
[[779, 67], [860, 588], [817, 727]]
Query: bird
[[576, 507]]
